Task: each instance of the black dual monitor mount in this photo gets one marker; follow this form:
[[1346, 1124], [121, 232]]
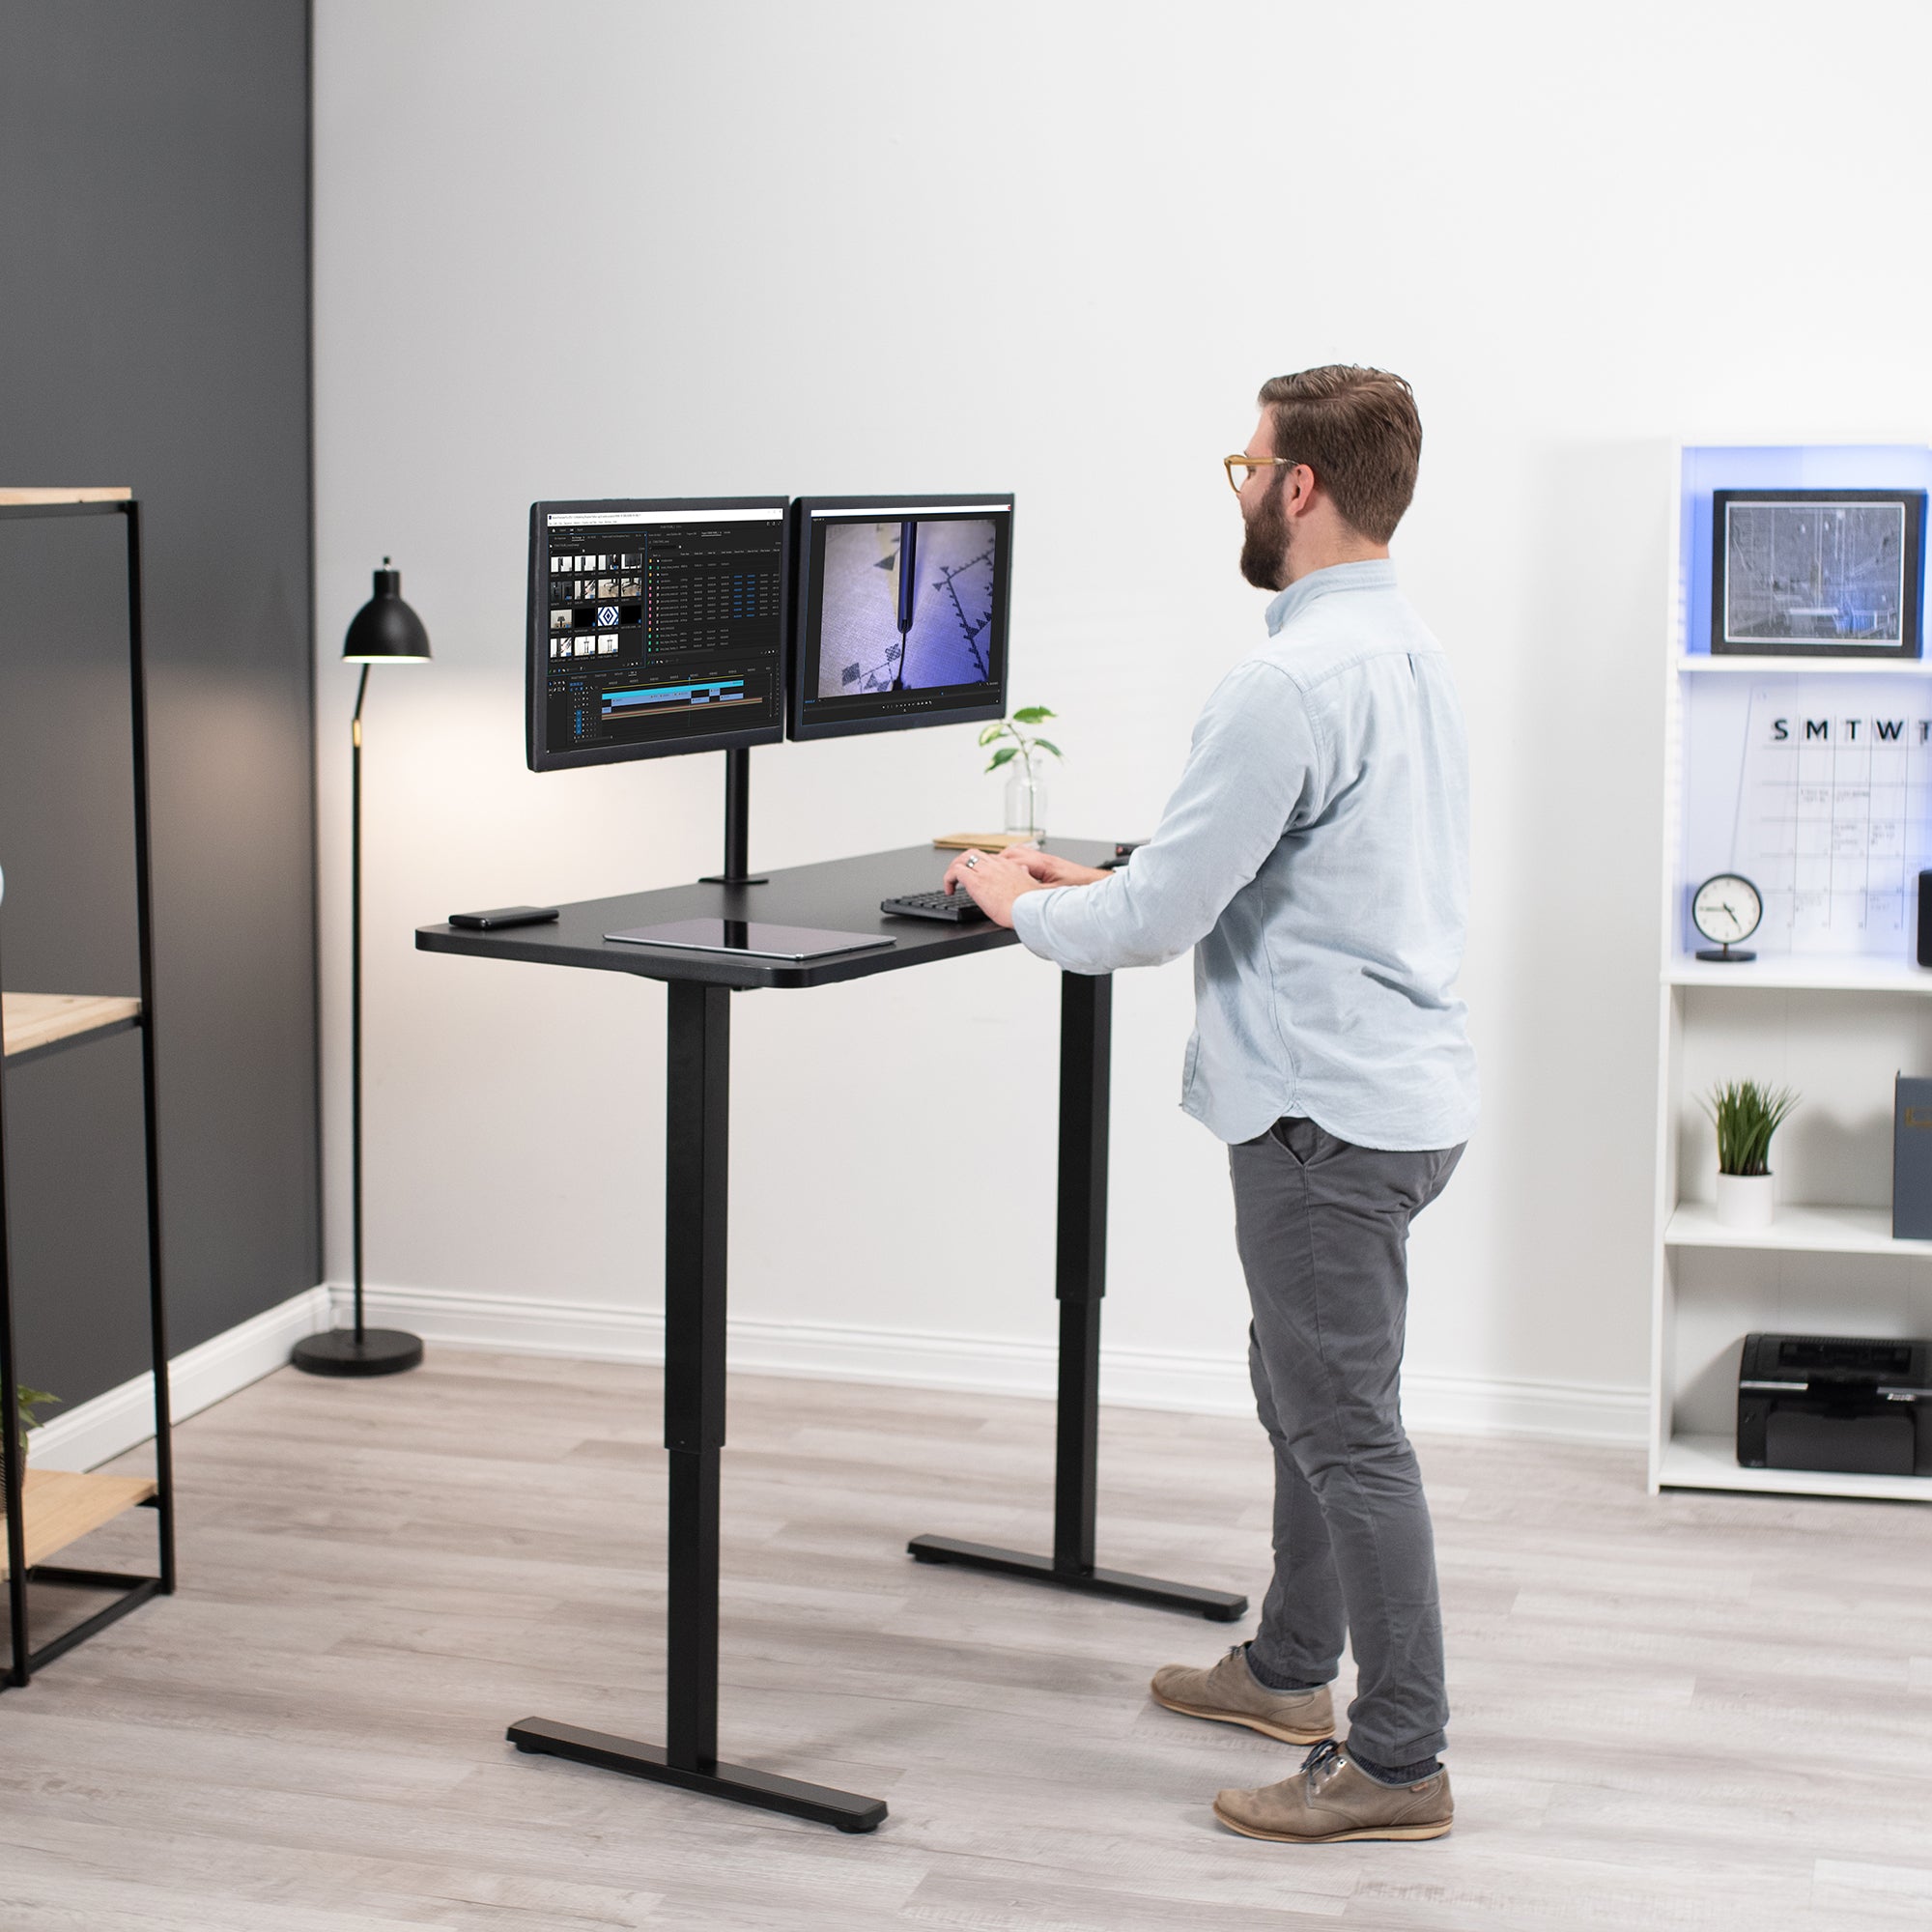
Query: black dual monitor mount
[[661, 627]]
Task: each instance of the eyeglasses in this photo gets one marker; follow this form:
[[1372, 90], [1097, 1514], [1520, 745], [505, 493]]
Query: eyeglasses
[[1245, 463]]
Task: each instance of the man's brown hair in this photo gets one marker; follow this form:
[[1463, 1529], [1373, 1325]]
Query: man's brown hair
[[1358, 431]]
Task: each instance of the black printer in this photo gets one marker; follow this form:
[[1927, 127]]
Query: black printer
[[1835, 1402]]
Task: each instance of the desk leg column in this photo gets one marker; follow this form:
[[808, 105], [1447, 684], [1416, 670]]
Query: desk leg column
[[1080, 1260], [698, 1150], [1080, 1281], [696, 1161]]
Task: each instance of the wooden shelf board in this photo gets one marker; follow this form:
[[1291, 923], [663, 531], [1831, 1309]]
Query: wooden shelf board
[[1786, 973], [82, 492], [33, 1020], [62, 1507], [1711, 1462], [1700, 661], [1801, 1228]]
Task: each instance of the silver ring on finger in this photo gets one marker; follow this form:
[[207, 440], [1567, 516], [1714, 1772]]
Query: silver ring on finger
[[972, 859]]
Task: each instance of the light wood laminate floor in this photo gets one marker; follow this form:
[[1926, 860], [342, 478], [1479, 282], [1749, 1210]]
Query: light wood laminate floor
[[1689, 1712]]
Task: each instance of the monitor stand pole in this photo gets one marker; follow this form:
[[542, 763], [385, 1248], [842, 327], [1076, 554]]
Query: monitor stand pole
[[737, 824]]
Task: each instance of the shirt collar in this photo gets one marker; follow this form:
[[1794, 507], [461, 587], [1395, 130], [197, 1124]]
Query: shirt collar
[[1376, 573]]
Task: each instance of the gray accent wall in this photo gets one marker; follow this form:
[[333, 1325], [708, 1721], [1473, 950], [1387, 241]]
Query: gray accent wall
[[154, 312]]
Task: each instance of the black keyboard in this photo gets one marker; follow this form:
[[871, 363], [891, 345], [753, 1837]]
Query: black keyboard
[[958, 907]]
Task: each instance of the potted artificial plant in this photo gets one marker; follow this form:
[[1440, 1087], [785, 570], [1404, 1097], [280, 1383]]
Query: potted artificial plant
[[1745, 1116]]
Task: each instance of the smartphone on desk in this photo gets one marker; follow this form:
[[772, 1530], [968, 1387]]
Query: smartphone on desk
[[498, 916]]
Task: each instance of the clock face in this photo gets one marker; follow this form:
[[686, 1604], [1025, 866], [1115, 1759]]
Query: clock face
[[1726, 909]]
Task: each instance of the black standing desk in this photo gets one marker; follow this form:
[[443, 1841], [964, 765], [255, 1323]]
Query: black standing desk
[[844, 896]]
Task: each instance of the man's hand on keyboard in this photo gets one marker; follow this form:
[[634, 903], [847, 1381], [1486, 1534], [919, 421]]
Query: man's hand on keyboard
[[993, 883], [1045, 870]]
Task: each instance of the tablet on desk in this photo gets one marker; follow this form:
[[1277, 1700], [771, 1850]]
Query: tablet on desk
[[752, 939]]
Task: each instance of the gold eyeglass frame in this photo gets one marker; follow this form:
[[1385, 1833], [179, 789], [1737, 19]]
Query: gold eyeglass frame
[[1229, 462]]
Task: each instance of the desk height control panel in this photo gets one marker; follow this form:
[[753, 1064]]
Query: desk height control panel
[[655, 629]]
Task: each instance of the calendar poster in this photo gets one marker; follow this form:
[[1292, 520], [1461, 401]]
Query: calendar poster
[[1834, 813]]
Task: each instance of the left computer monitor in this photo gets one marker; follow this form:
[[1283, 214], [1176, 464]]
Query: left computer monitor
[[655, 627]]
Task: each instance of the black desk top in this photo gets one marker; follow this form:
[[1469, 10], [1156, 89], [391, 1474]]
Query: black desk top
[[842, 894]]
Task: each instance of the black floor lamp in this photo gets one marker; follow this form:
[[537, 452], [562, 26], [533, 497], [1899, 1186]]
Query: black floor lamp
[[384, 631]]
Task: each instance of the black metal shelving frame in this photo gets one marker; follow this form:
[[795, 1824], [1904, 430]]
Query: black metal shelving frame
[[130, 1591]]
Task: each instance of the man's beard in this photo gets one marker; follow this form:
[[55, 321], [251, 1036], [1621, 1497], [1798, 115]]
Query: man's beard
[[1264, 541]]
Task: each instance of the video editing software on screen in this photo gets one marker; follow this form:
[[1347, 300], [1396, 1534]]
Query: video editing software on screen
[[655, 629], [902, 612]]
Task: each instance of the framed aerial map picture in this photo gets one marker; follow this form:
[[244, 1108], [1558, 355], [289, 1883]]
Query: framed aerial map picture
[[1817, 573]]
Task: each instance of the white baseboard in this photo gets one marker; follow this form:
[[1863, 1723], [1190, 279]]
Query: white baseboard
[[120, 1419], [1437, 1404], [111, 1424], [1132, 1377]]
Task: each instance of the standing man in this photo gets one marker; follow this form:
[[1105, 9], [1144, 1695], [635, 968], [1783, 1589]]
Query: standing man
[[1316, 857]]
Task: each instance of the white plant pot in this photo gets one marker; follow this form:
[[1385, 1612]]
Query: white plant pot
[[1743, 1199]]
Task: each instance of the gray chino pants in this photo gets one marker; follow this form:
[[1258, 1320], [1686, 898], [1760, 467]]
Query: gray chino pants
[[1322, 1229]]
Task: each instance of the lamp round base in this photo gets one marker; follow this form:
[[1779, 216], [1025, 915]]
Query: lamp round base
[[382, 1352]]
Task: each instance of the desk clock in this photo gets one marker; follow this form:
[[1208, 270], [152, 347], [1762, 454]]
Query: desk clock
[[1726, 909]]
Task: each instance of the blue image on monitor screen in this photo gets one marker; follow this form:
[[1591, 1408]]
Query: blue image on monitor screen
[[947, 595]]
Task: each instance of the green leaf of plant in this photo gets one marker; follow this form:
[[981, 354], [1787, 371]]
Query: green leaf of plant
[[30, 1400], [991, 732], [1047, 745], [1000, 757], [1034, 714]]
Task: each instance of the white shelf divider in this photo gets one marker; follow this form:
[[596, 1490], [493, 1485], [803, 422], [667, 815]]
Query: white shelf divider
[[1735, 666], [1787, 973], [1711, 1462], [1799, 1228]]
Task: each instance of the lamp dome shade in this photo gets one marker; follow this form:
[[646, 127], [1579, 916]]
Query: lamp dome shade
[[385, 630]]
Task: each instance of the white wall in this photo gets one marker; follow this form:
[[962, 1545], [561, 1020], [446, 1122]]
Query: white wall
[[586, 248]]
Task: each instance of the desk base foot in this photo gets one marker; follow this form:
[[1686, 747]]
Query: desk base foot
[[1218, 1606], [846, 1810]]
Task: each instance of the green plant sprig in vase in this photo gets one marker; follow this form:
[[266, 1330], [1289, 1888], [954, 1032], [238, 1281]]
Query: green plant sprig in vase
[[1026, 789], [1745, 1116]]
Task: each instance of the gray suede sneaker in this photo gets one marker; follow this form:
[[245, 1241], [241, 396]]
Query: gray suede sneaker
[[1332, 1798], [1230, 1693]]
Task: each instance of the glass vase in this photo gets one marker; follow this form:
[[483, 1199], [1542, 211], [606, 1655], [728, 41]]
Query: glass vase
[[1026, 807]]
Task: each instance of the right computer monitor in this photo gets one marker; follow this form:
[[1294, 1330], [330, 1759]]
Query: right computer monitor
[[900, 612]]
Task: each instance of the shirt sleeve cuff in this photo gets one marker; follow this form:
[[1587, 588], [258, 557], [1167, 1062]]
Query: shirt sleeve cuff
[[1030, 917]]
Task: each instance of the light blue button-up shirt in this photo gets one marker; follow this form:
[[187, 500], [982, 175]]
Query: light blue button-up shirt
[[1316, 854]]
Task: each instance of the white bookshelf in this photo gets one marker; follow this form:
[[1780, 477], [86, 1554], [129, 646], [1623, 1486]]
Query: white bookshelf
[[1838, 1029]]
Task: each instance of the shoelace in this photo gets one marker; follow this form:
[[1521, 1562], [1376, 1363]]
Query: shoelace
[[1323, 1763]]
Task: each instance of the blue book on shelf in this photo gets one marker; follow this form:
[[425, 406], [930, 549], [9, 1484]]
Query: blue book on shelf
[[1912, 1160]]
